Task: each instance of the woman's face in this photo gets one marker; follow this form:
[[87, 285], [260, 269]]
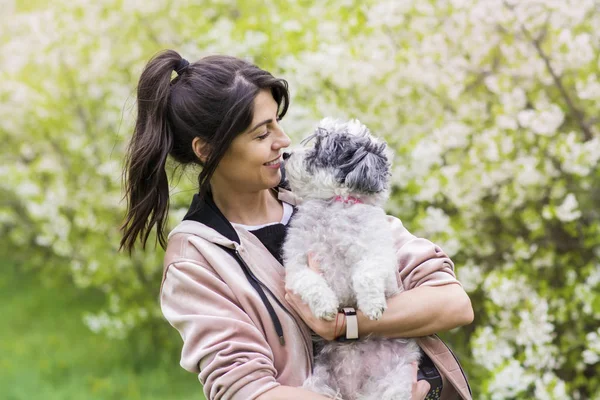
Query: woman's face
[[253, 159]]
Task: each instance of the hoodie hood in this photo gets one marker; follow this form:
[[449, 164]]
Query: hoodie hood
[[215, 227]]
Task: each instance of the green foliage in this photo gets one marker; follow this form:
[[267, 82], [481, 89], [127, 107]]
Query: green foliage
[[491, 108], [47, 352]]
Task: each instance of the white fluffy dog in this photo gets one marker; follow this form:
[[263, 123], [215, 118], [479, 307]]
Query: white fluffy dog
[[343, 181]]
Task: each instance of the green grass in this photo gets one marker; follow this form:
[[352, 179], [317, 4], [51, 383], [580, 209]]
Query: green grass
[[47, 353]]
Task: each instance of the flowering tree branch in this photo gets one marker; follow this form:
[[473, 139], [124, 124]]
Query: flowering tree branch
[[575, 111]]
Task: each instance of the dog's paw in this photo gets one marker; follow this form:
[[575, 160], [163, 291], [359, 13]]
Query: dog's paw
[[326, 311], [327, 315], [326, 307], [375, 313], [373, 309]]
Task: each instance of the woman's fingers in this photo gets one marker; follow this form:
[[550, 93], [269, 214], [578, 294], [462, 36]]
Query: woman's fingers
[[325, 329], [419, 388], [293, 299]]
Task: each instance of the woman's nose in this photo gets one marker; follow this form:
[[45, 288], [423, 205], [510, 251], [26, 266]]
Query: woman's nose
[[284, 140]]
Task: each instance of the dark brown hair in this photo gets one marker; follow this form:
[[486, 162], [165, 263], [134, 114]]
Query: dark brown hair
[[211, 99]]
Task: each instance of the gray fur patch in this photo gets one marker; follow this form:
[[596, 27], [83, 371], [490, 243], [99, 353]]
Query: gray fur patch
[[359, 160]]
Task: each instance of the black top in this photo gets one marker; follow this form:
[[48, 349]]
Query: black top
[[272, 237]]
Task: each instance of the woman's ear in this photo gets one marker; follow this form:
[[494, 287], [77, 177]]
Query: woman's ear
[[200, 148]]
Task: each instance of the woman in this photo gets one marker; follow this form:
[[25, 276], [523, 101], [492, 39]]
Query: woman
[[223, 283]]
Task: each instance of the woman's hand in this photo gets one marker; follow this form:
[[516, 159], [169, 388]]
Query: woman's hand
[[419, 388], [328, 330]]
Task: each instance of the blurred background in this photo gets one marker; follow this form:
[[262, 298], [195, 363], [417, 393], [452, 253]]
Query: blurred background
[[490, 106]]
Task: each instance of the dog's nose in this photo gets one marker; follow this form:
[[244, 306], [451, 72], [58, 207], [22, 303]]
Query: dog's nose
[[286, 156]]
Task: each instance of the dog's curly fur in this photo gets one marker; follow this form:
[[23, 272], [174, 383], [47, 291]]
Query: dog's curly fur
[[353, 246]]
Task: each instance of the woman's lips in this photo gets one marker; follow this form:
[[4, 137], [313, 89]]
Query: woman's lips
[[276, 163]]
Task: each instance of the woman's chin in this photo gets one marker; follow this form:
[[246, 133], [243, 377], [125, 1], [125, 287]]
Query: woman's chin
[[275, 179]]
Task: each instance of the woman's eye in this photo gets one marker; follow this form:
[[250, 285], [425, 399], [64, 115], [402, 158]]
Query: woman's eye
[[262, 137]]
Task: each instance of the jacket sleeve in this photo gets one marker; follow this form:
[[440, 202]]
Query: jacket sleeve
[[420, 262], [220, 342]]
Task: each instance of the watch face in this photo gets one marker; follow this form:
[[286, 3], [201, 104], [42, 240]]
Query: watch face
[[349, 311]]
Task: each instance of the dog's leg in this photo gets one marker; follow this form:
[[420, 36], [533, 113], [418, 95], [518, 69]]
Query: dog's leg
[[313, 289], [391, 283], [368, 283]]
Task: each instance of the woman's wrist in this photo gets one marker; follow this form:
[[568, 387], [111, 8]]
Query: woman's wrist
[[365, 324], [340, 325]]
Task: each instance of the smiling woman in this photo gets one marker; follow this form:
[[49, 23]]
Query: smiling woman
[[199, 118], [223, 114], [250, 165], [223, 282]]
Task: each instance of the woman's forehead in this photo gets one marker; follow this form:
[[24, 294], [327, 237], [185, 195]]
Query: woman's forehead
[[265, 106]]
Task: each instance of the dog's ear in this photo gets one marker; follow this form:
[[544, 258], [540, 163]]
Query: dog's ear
[[328, 149], [368, 170]]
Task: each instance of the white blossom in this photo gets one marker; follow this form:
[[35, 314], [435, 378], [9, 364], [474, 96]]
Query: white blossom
[[569, 209], [489, 350], [591, 355], [544, 122], [470, 276], [435, 221], [510, 381], [550, 387]]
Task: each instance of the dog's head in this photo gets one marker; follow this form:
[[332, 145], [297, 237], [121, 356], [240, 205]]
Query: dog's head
[[345, 160]]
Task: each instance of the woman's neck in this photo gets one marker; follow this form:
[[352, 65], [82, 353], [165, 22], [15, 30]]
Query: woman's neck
[[248, 208]]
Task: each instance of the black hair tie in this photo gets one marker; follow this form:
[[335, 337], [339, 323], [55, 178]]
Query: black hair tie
[[182, 66]]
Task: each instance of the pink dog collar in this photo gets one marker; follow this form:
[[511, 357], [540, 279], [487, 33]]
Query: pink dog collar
[[347, 200]]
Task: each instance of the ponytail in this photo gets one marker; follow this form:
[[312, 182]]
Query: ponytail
[[146, 182], [211, 99]]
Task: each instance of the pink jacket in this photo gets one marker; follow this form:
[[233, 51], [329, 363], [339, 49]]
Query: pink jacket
[[228, 335]]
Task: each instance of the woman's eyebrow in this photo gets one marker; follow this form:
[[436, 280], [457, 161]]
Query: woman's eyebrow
[[267, 121]]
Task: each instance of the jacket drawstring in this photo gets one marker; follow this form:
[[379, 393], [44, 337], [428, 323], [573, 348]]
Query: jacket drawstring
[[257, 286]]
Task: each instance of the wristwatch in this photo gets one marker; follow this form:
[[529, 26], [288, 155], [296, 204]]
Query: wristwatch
[[351, 323]]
